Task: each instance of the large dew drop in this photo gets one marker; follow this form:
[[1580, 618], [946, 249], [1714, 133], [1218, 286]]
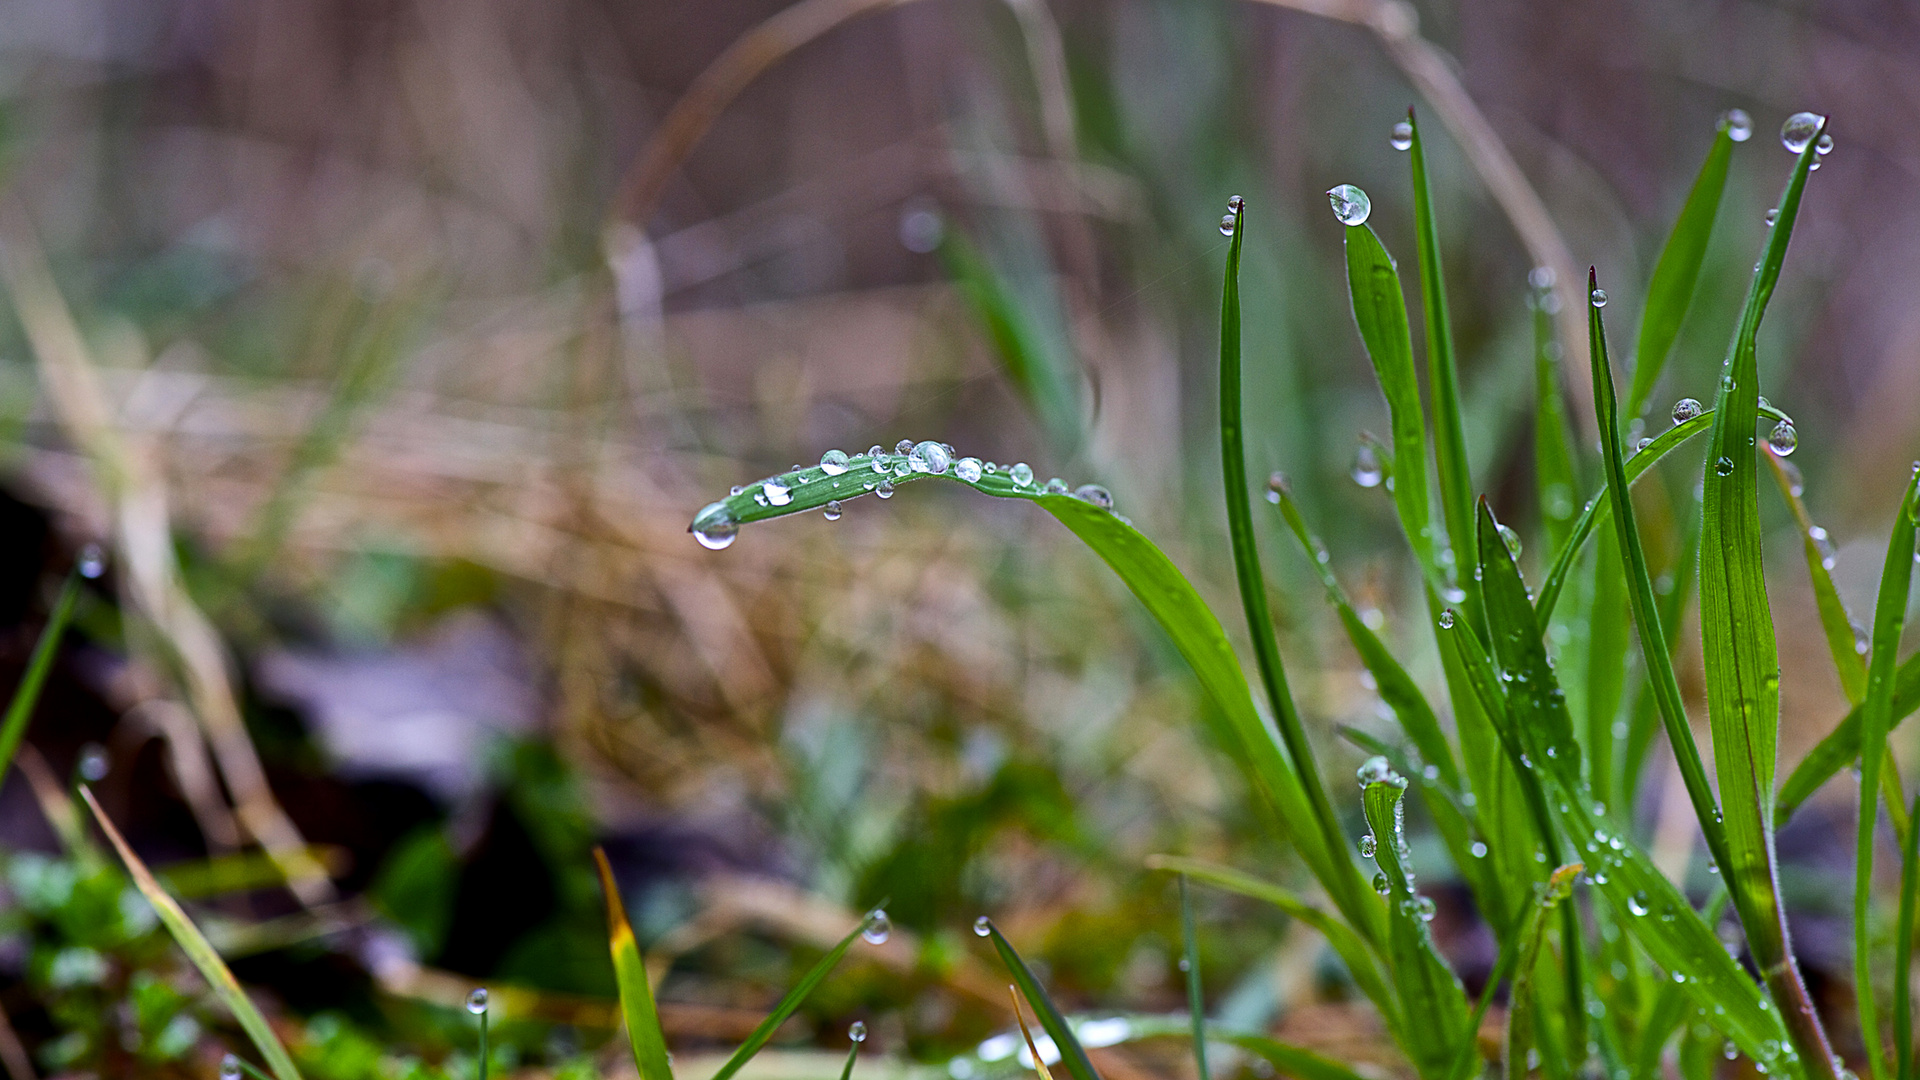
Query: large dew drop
[[1227, 222], [877, 929], [1366, 467], [230, 1068], [1511, 539], [968, 469], [1799, 130], [1783, 439], [1350, 204], [982, 926], [1402, 137], [833, 462], [832, 512], [1739, 125], [776, 492], [714, 527], [1685, 409], [1598, 297], [1095, 494], [1021, 474], [1056, 486], [857, 1031], [477, 1001], [930, 457], [885, 489]]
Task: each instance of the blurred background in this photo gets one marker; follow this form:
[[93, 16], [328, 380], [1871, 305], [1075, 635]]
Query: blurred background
[[387, 348]]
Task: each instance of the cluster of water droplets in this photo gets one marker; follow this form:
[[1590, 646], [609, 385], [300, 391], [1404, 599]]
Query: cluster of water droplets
[[1378, 770], [1235, 205]]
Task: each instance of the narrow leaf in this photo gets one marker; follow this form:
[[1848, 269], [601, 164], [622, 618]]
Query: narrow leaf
[[1072, 1054], [1520, 1018], [1430, 993], [1039, 1063], [1903, 1048], [1196, 1003], [1380, 312], [794, 999], [1674, 276], [198, 949], [649, 1042], [1555, 459], [1848, 662], [20, 709], [1842, 744]]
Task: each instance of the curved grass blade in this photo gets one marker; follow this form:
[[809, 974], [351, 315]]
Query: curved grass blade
[[1429, 990], [1035, 368], [1555, 457], [1346, 944], [198, 949], [795, 997], [1520, 1018], [1288, 1059], [1072, 1054], [853, 1052], [1849, 663], [1669, 1008], [27, 694], [1443, 379], [1196, 1004], [1671, 290], [1842, 744], [648, 1041], [1039, 1063], [1661, 677], [1345, 876], [1742, 661], [1889, 619], [1903, 951], [1380, 312]]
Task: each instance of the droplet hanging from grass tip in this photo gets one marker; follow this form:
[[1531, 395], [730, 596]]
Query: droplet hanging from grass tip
[[92, 562], [857, 1031], [982, 926], [832, 511], [877, 928], [477, 1001], [1783, 439], [714, 527], [230, 1068], [1276, 486], [1366, 467], [1350, 204], [1739, 125], [1402, 136], [1799, 131]]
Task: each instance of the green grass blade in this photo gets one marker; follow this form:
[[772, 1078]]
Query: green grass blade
[[1289, 1060], [794, 999], [1848, 661], [648, 1041], [1040, 375], [1903, 1048], [1196, 1003], [1380, 312], [1555, 458], [1520, 1017], [198, 949], [1072, 1054], [1742, 661], [853, 1052], [1430, 993], [1443, 380], [1661, 677], [27, 695], [1889, 619], [1674, 276], [1340, 937], [1606, 663], [1842, 744], [1253, 587]]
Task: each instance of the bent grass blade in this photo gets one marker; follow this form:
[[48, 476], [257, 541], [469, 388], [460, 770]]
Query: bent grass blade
[[1072, 1054], [20, 709], [1670, 291], [648, 1041], [1429, 989]]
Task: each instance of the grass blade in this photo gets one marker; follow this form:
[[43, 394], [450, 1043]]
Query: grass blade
[[1196, 1004], [1443, 380], [27, 695], [1848, 661], [794, 999], [1072, 1054], [1288, 1059], [1520, 1018], [1742, 661], [1039, 1063], [1674, 276], [1555, 457], [198, 949], [1842, 744], [1360, 962], [648, 1041], [1889, 619], [1042, 377], [1903, 1048], [1380, 312], [1344, 876], [1429, 990], [1661, 677]]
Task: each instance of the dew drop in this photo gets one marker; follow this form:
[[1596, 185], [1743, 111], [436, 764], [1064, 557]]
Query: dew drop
[[877, 929], [930, 457], [1022, 474], [1478, 849], [1276, 486], [1227, 223], [1541, 277], [715, 527], [1367, 846], [1235, 204], [1685, 409], [857, 1031], [832, 511], [1056, 486], [1424, 907], [94, 763], [229, 1068], [1798, 131], [92, 562], [982, 926], [833, 462], [1824, 145], [1350, 204], [885, 490], [776, 493], [1723, 466], [1446, 620], [1773, 215], [477, 1001], [1366, 467], [1783, 439], [968, 469], [1739, 125], [904, 446], [1637, 903], [1598, 297], [1511, 539], [1402, 137], [1861, 641], [1380, 884], [1095, 494]]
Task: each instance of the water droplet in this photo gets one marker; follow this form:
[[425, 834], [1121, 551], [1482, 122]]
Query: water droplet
[[1598, 297], [1227, 222], [1056, 486], [776, 492], [92, 562], [1185, 964], [832, 512], [885, 490], [1541, 277], [1366, 467], [1380, 884], [1511, 539], [1478, 849], [1739, 125], [1402, 137], [1729, 1051], [982, 926], [904, 446], [1641, 445], [877, 929], [1723, 466], [1862, 642], [1021, 474], [1798, 131], [857, 1031], [1424, 907], [735, 490], [229, 1068], [715, 527], [833, 462], [1276, 486], [1350, 204], [968, 469], [930, 457], [1094, 494], [1773, 215], [1637, 903], [1685, 409], [1783, 439], [94, 763], [1824, 145], [1367, 846], [477, 1001], [1446, 620]]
